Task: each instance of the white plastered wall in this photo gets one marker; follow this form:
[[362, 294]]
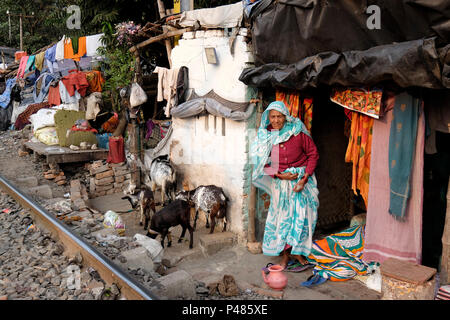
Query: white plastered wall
[[207, 149]]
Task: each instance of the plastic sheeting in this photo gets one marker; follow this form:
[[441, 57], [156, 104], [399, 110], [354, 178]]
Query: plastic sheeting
[[409, 64], [306, 43], [290, 30], [197, 106]]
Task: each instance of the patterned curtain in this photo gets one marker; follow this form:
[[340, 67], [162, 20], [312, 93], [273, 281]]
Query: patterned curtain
[[299, 106]]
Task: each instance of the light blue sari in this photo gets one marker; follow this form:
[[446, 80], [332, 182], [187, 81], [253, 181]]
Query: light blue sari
[[292, 215]]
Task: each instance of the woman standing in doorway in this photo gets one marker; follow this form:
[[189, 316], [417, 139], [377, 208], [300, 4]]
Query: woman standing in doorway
[[284, 158]]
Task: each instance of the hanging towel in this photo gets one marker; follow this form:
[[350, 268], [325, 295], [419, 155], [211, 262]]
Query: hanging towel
[[402, 140], [92, 44], [59, 49], [386, 236], [69, 50], [39, 61], [359, 153], [167, 87], [22, 66], [30, 64]]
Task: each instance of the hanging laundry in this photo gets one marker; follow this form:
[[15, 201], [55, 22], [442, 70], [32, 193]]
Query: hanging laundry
[[43, 82], [50, 58], [359, 153], [167, 87], [59, 49], [66, 98], [54, 98], [298, 107], [386, 236], [30, 64], [39, 61], [5, 97], [361, 100], [402, 140], [92, 44], [75, 81], [95, 80], [69, 49], [22, 66]]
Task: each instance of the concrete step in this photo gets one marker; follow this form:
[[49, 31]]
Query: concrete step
[[212, 243]]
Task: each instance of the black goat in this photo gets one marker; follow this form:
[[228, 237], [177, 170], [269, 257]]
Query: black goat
[[177, 212], [211, 200]]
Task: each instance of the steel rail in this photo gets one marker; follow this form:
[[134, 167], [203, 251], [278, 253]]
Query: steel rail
[[108, 271]]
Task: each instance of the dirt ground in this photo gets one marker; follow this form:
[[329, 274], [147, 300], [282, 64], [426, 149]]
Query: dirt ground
[[236, 261]]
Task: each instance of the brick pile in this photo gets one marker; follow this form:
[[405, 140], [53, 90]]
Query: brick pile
[[108, 178], [54, 173], [78, 195]]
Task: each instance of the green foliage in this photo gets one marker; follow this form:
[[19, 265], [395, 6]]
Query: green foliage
[[118, 66]]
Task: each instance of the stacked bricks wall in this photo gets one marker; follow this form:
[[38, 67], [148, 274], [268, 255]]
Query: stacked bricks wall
[[108, 178]]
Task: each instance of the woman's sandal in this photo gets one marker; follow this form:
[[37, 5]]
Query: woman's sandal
[[296, 266], [313, 280]]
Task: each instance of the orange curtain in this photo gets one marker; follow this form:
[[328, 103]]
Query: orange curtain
[[298, 107], [359, 152]]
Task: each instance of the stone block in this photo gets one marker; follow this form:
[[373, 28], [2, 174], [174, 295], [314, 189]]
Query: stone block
[[99, 193], [120, 179], [117, 165], [104, 181], [104, 188], [104, 174], [43, 191], [178, 284], [27, 182], [118, 185], [212, 243], [110, 191], [75, 184], [137, 258], [120, 171], [103, 168]]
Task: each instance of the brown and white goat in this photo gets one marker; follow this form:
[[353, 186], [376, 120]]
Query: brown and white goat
[[146, 202], [177, 212], [209, 199]]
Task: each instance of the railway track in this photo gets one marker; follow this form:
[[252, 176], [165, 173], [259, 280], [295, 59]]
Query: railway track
[[110, 273]]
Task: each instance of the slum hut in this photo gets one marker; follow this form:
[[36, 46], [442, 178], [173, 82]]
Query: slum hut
[[354, 66], [205, 117]]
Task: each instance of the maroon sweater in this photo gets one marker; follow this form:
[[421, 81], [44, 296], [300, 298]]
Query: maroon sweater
[[298, 151]]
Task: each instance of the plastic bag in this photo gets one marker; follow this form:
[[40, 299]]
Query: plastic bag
[[153, 247], [113, 220], [137, 95]]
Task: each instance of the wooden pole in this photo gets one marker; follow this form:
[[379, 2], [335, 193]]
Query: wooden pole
[[21, 34], [252, 245], [159, 38], [167, 41]]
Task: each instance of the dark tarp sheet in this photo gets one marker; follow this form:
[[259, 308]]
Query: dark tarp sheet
[[305, 43], [408, 64], [290, 30]]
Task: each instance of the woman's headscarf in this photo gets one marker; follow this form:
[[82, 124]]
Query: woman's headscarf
[[260, 149]]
